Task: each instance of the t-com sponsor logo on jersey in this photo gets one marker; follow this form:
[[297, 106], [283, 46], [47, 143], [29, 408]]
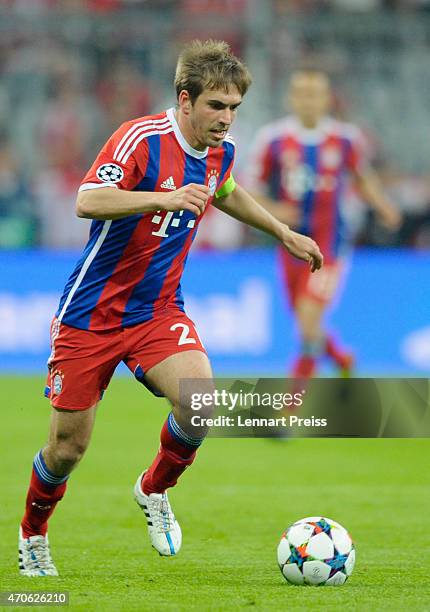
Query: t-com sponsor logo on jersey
[[331, 157], [303, 179], [110, 173]]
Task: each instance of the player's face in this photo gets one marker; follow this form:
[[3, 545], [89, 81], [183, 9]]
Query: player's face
[[309, 97], [211, 116]]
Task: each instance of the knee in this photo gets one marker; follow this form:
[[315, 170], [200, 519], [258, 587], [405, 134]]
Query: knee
[[70, 453], [194, 422], [64, 453], [203, 409]]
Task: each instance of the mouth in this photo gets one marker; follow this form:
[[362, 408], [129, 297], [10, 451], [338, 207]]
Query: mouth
[[218, 134]]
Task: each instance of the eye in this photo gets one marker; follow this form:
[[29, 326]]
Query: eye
[[216, 105]]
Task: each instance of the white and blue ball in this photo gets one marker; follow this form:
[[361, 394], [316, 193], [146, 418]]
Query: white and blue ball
[[316, 551]]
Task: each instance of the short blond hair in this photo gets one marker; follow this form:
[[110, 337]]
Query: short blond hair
[[210, 65]]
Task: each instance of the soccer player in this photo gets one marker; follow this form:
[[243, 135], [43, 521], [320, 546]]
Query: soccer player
[[146, 192], [297, 172]]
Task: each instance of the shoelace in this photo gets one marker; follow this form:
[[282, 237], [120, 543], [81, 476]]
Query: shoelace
[[163, 516], [41, 558]]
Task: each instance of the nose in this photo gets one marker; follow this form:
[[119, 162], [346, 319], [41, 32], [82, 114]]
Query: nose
[[226, 117]]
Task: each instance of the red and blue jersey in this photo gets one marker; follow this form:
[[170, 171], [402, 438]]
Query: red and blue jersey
[[308, 168], [132, 267]]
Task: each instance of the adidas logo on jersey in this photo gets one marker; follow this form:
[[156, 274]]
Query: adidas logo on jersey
[[169, 183]]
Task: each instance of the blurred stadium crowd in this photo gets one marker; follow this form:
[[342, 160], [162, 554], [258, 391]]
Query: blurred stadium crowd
[[73, 70]]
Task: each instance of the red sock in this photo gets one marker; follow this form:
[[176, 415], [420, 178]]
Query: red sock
[[40, 504], [304, 367], [171, 460], [342, 358]]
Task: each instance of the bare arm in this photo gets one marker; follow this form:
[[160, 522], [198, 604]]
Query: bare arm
[[111, 203], [240, 205], [370, 188], [285, 213]]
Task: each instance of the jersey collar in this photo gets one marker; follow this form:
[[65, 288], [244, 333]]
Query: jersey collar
[[312, 136], [170, 112]]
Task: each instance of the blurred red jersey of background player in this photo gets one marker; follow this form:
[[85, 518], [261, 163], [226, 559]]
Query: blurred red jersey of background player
[[298, 170]]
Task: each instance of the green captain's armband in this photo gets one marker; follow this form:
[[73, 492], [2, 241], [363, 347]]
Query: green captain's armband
[[227, 188]]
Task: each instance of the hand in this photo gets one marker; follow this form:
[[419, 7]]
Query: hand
[[192, 197], [303, 248], [390, 218]]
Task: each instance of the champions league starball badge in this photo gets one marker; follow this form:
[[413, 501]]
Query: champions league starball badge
[[110, 173]]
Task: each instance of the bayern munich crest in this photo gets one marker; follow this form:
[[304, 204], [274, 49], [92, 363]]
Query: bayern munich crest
[[58, 383], [110, 173], [213, 181]]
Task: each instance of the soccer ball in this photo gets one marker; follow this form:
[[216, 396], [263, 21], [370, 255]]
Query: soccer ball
[[316, 551]]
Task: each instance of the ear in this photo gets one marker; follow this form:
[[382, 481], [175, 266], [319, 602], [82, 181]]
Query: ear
[[184, 102]]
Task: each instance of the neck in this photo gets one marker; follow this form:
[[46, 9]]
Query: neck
[[309, 124], [187, 131]]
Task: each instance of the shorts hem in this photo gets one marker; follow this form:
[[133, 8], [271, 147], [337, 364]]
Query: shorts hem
[[184, 350], [72, 409], [309, 296]]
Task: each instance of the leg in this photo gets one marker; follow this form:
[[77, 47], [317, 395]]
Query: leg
[[80, 367], [316, 341], [309, 314], [179, 441], [160, 353], [313, 294], [305, 307], [69, 436], [344, 359]]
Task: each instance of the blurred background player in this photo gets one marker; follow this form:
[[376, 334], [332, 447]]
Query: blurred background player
[[298, 171]]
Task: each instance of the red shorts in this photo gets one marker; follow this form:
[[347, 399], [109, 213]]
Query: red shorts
[[82, 362], [320, 286]]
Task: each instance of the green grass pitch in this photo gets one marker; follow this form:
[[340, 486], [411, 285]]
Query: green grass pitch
[[233, 504]]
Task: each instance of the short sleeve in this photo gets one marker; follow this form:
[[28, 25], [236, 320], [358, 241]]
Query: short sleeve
[[117, 165], [258, 169], [355, 149], [227, 183]]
